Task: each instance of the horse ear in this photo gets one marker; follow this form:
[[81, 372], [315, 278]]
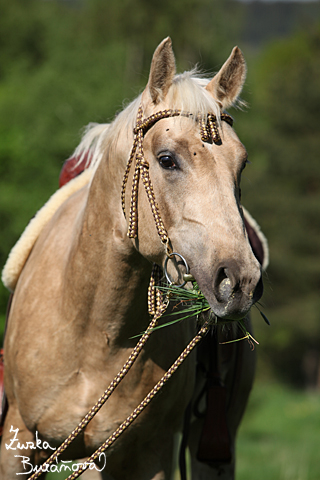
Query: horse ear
[[162, 71], [227, 84]]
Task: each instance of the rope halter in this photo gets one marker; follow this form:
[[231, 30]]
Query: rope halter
[[208, 132]]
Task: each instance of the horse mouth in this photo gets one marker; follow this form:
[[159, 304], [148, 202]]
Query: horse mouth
[[236, 304], [230, 296]]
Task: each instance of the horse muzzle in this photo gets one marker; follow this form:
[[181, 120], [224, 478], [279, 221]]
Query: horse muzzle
[[231, 293]]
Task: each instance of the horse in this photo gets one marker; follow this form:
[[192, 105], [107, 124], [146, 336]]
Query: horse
[[80, 275]]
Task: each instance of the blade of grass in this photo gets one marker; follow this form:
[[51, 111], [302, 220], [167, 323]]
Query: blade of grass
[[194, 304]]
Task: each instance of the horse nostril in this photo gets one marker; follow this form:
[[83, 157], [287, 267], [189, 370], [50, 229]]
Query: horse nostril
[[235, 290], [222, 285]]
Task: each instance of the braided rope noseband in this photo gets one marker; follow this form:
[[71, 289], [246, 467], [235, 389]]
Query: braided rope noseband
[[157, 304], [208, 131]]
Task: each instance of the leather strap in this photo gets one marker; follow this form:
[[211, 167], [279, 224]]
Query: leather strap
[[215, 443]]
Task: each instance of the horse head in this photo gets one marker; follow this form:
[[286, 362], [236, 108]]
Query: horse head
[[194, 161]]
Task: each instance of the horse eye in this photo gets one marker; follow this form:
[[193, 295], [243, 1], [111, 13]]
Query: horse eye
[[167, 162]]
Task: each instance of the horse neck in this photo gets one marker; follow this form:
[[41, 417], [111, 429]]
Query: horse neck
[[107, 277]]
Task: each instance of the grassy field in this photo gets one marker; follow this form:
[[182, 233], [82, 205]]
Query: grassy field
[[280, 436]]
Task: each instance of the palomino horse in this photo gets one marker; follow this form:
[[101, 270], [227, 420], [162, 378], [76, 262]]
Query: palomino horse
[[80, 281]]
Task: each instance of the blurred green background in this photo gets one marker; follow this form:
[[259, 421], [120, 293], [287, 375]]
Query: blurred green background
[[64, 64]]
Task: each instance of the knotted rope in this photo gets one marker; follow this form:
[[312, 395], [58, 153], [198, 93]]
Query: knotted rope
[[159, 307], [145, 402]]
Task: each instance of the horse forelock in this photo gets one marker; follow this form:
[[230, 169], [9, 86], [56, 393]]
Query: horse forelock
[[188, 94]]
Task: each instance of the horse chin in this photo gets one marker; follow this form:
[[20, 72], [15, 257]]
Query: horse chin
[[232, 318], [235, 308], [229, 317], [223, 320]]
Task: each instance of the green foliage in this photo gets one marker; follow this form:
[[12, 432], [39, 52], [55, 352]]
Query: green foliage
[[284, 194]]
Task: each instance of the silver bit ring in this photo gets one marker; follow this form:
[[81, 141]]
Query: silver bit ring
[[175, 254]]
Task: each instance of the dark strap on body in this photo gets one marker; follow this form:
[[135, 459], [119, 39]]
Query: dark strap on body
[[215, 443]]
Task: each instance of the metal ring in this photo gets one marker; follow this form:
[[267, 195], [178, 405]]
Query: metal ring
[[165, 268]]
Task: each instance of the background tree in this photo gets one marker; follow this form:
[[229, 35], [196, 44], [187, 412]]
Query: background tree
[[284, 143]]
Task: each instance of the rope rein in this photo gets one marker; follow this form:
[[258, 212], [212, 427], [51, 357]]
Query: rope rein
[[102, 400], [145, 402], [157, 302]]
